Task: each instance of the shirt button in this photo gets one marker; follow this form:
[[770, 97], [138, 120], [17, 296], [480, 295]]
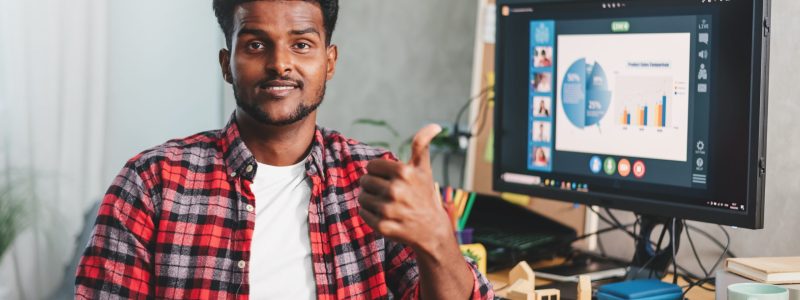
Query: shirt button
[[233, 174], [242, 264], [249, 168], [250, 208]]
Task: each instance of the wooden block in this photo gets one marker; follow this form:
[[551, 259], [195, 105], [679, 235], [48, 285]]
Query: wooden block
[[517, 290], [584, 288], [514, 295], [548, 294], [522, 271]]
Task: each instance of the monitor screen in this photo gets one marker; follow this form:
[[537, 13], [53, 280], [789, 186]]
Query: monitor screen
[[652, 106]]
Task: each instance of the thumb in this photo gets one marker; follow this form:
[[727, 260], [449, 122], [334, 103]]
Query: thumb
[[420, 147]]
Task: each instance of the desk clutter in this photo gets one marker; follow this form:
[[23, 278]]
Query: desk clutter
[[458, 204], [507, 233], [523, 286], [779, 271]]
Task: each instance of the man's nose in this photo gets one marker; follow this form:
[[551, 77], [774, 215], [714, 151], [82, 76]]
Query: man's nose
[[279, 61]]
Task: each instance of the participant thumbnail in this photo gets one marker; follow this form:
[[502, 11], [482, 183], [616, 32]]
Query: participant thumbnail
[[541, 106], [541, 156], [541, 131], [542, 82], [542, 57]]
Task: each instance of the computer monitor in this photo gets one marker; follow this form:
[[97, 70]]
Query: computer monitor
[[653, 106]]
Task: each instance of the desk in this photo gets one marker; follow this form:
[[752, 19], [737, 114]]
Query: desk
[[499, 279]]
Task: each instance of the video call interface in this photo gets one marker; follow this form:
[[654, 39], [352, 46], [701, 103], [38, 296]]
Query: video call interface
[[624, 99]]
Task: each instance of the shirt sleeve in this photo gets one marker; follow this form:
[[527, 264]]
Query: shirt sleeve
[[116, 262], [402, 274]]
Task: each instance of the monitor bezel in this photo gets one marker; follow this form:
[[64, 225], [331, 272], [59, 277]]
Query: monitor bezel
[[753, 218]]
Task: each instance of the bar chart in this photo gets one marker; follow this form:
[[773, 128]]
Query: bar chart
[[646, 102], [654, 115]]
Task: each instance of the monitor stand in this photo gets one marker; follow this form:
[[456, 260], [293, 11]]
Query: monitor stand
[[649, 259]]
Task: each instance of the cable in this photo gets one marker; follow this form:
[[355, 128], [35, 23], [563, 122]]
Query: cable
[[617, 225], [724, 251], [446, 168], [697, 283], [712, 238], [674, 256], [601, 231], [484, 111], [469, 135], [708, 272], [652, 258], [466, 105], [601, 247], [694, 250]]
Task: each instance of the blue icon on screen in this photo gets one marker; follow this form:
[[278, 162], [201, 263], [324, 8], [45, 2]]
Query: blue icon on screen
[[595, 164]]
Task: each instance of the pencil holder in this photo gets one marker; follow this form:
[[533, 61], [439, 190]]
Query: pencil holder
[[464, 236]]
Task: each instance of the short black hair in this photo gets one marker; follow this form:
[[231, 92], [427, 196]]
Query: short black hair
[[224, 9]]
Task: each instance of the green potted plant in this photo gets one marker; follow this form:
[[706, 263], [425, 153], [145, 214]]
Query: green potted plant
[[13, 209], [442, 142]]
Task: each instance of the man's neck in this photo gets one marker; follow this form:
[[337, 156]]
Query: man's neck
[[277, 145]]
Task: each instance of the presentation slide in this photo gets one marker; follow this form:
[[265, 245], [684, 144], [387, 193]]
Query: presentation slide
[[623, 94]]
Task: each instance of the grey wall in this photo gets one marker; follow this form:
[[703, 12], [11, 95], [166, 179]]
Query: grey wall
[[163, 74], [781, 233], [406, 62]]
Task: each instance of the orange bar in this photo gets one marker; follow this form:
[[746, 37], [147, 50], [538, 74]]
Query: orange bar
[[660, 117], [624, 116]]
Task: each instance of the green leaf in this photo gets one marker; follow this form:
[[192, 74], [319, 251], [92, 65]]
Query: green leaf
[[384, 145], [377, 123]]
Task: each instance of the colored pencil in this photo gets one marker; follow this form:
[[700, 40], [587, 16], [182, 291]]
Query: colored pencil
[[463, 221]]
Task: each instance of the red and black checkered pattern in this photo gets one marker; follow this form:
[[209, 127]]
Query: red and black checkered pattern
[[174, 224]]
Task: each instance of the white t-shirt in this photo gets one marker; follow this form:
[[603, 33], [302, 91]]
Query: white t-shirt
[[280, 253]]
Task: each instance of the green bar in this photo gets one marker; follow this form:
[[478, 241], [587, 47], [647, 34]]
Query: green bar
[[620, 26]]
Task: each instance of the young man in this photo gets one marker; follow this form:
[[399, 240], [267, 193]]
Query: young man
[[272, 206]]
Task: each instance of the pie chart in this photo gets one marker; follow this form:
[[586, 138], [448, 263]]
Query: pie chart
[[585, 94]]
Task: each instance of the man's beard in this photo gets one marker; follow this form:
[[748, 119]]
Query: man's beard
[[301, 112]]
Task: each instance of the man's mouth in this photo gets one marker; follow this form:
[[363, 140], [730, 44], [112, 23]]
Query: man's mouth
[[279, 88]]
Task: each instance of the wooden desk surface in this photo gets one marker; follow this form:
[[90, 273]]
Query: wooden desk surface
[[499, 280]]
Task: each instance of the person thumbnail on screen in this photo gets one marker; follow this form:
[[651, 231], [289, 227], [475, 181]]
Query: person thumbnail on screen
[[541, 107], [541, 131], [541, 156], [542, 57], [542, 82]]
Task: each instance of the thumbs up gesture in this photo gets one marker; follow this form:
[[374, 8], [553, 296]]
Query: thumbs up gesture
[[399, 200]]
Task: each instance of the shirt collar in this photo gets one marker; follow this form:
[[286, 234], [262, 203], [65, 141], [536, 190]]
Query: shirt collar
[[239, 161]]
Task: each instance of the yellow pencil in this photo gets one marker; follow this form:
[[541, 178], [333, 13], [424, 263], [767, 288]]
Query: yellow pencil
[[462, 203], [457, 201]]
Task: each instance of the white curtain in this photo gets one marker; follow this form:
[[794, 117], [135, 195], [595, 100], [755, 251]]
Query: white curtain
[[52, 103]]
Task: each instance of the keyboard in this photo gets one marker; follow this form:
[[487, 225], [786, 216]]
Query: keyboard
[[512, 240]]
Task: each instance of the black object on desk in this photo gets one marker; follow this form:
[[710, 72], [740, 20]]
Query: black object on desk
[[512, 233]]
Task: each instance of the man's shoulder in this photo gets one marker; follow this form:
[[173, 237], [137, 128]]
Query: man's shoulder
[[197, 149], [342, 147]]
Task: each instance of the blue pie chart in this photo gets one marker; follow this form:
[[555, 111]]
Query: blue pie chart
[[584, 92]]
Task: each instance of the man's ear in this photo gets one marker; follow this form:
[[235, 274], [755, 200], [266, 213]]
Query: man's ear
[[333, 56], [225, 64]]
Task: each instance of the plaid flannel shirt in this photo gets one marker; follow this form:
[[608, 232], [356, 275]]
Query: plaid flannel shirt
[[177, 222]]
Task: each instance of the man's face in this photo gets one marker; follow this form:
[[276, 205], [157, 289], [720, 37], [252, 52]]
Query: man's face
[[278, 62]]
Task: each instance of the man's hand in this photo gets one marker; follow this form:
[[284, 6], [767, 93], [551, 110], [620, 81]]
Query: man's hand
[[400, 201]]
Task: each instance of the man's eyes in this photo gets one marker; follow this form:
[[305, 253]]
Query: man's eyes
[[255, 45], [302, 46]]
